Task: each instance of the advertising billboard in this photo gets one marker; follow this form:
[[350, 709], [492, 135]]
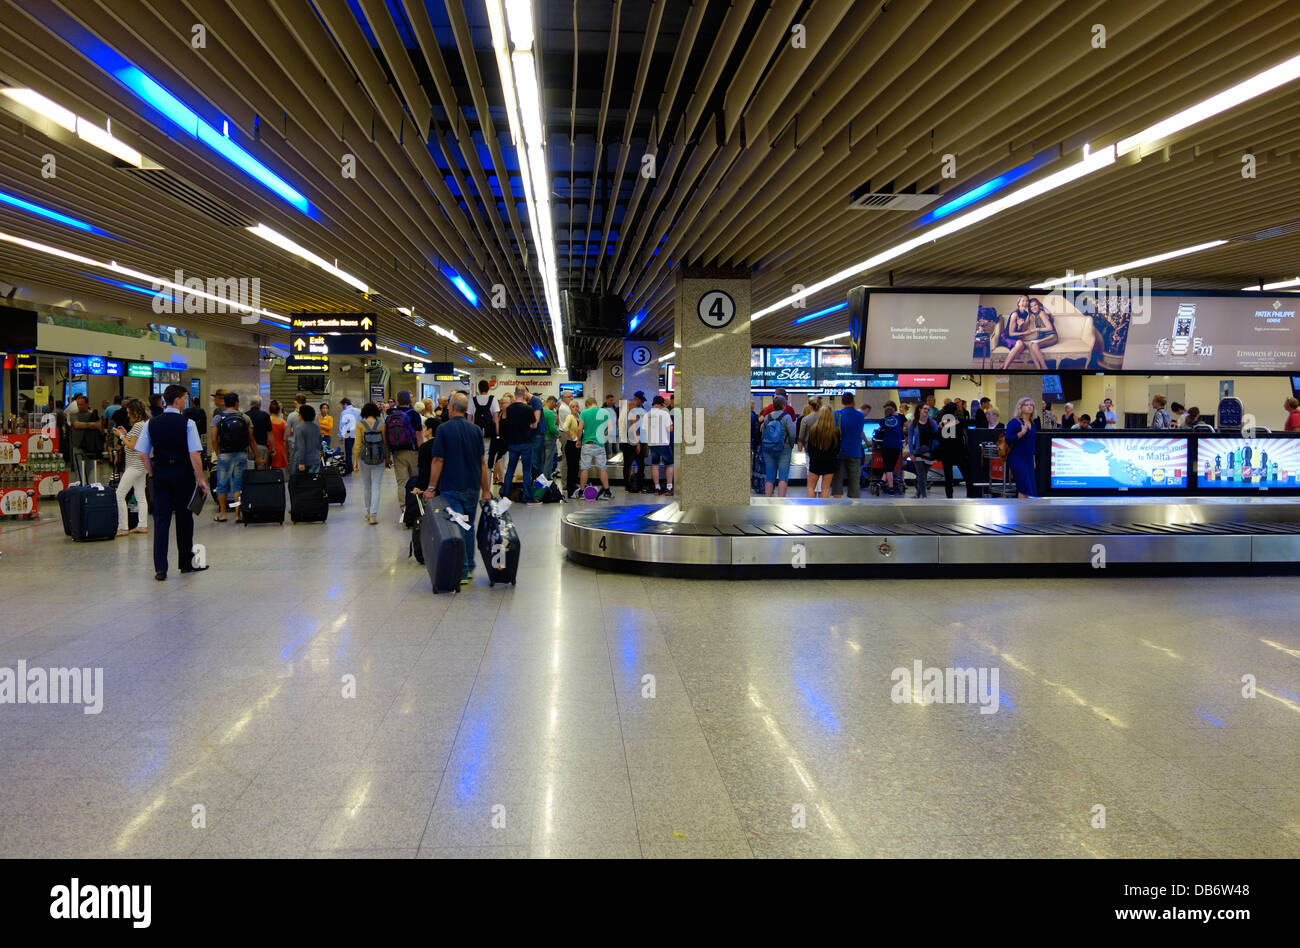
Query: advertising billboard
[[1247, 463], [1103, 463], [1079, 330]]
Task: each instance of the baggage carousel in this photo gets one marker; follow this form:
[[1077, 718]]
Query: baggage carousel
[[881, 537]]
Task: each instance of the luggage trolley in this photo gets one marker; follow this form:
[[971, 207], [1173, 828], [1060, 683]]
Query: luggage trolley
[[997, 482]]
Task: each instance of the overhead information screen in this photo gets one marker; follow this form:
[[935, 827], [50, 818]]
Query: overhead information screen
[[1106, 463], [1078, 330], [1247, 463]]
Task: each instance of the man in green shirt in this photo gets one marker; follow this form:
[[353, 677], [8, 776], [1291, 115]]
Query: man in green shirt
[[595, 427], [549, 457]]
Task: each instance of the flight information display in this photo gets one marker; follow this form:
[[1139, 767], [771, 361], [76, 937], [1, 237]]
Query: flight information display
[[1247, 463], [1101, 463]]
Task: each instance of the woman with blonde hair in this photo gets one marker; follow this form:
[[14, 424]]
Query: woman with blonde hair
[[823, 443], [1021, 437], [133, 476], [806, 421]]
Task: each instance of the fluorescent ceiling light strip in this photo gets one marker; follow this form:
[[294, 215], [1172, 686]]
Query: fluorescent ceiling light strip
[[43, 106], [1134, 265], [502, 50], [1274, 286], [101, 139], [283, 242], [667, 357], [1085, 166], [127, 271], [408, 355], [1244, 91], [519, 14], [838, 335], [85, 129]]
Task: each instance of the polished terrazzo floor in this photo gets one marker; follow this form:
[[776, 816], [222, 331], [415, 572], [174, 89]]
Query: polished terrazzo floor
[[516, 722]]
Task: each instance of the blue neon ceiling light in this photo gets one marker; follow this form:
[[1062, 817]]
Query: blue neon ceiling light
[[537, 351], [133, 287], [188, 121], [468, 359], [822, 312], [421, 351], [636, 320], [459, 283], [15, 201], [991, 186]]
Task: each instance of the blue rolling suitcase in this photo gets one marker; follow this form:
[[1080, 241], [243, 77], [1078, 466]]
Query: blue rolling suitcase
[[89, 512]]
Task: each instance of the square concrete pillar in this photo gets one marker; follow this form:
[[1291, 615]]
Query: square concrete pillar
[[712, 453], [643, 377]]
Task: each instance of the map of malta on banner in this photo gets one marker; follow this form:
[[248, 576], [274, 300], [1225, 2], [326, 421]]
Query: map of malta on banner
[[1111, 463]]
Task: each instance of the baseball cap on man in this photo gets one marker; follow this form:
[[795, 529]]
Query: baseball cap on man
[[640, 395]]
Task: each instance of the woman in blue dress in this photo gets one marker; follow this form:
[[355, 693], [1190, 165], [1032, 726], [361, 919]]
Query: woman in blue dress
[[1023, 445]]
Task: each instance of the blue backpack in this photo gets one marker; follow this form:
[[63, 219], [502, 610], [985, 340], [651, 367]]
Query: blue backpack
[[773, 432]]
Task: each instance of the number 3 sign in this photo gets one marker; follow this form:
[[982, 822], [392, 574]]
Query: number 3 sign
[[716, 309]]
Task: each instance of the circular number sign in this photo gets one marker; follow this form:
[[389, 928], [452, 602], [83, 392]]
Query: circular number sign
[[641, 355], [716, 309], [616, 371]]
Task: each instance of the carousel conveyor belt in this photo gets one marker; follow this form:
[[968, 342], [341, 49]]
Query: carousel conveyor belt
[[975, 537]]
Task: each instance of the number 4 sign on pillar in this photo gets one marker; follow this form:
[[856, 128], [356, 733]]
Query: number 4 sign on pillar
[[716, 309]]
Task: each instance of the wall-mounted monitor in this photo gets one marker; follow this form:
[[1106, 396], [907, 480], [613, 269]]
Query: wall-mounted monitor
[[1052, 387], [909, 394], [1118, 463], [1246, 464]]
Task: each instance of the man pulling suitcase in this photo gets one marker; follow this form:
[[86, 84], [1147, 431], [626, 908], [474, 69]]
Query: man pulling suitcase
[[459, 473]]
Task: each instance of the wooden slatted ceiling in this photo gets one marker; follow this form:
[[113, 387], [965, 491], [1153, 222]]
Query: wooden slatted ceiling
[[758, 144]]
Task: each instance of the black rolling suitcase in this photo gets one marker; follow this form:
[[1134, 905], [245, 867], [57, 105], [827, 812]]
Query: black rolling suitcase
[[262, 500], [89, 512], [335, 490], [332, 468], [307, 501], [498, 545], [443, 545]]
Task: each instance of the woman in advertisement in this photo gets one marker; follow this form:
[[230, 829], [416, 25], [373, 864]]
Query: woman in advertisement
[[1020, 436], [1024, 327]]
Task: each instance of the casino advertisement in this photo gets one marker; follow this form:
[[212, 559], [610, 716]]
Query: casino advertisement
[[1247, 463], [1118, 463]]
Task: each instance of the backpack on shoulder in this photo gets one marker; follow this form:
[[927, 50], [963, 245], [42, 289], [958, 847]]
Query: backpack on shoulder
[[398, 432], [372, 446], [774, 432], [232, 433]]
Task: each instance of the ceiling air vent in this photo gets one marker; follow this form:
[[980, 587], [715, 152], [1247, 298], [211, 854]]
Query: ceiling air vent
[[865, 199], [187, 194]]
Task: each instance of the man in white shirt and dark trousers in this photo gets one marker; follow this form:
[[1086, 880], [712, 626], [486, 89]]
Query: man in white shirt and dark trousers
[[349, 415], [485, 412], [659, 436], [171, 451]]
